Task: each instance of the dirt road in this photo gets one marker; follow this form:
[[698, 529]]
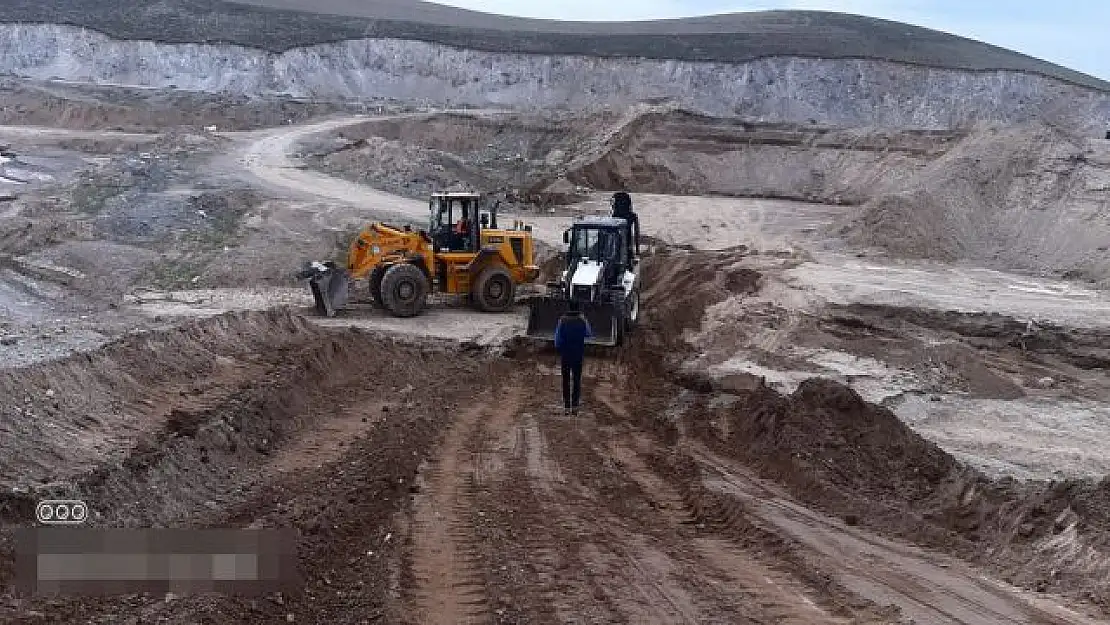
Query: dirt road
[[266, 156], [528, 515], [266, 159]]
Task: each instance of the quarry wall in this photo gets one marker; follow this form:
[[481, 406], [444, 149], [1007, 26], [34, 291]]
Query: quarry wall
[[844, 92]]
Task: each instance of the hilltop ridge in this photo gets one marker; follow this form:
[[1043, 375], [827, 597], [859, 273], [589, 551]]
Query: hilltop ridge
[[281, 25]]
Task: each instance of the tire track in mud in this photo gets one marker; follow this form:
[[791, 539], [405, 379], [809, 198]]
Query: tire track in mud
[[590, 545], [773, 592], [930, 588], [639, 563], [447, 562], [782, 597], [522, 474], [533, 553]]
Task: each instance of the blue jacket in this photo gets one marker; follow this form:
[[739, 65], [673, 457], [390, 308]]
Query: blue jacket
[[570, 337]]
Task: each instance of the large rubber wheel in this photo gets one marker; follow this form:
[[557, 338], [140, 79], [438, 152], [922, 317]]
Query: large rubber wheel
[[376, 283], [495, 290], [404, 290]]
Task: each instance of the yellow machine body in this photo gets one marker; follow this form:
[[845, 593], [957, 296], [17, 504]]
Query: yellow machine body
[[478, 260]]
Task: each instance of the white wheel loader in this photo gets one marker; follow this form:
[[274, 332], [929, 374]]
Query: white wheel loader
[[602, 274]]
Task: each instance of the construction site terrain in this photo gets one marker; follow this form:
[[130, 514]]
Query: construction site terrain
[[842, 405]]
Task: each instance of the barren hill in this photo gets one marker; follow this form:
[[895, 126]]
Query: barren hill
[[279, 25]]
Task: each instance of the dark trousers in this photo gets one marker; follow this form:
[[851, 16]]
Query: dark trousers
[[572, 383]]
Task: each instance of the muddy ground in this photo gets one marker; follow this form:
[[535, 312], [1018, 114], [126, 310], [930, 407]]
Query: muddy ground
[[803, 430], [478, 501]]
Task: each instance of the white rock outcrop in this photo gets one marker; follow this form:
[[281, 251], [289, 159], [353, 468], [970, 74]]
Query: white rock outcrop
[[842, 92]]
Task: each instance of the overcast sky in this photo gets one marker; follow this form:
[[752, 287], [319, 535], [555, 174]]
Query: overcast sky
[[1072, 33]]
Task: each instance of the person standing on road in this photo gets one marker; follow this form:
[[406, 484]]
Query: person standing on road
[[570, 341]]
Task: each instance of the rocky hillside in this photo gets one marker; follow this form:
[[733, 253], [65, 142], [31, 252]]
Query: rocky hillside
[[281, 25], [798, 67], [781, 89]]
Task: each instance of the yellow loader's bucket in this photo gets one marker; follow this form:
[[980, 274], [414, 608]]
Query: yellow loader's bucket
[[544, 314], [329, 290]]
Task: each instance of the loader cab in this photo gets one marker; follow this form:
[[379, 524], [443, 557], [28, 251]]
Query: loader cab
[[599, 240], [457, 220]]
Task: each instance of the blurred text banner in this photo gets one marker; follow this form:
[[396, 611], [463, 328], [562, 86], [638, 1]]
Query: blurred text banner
[[68, 560]]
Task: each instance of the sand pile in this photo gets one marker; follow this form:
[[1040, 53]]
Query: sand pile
[[1030, 198], [679, 285], [825, 436]]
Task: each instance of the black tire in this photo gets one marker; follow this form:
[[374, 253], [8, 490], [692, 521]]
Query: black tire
[[495, 290], [404, 290], [376, 283]]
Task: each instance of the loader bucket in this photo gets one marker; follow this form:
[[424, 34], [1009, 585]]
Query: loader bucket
[[329, 291], [604, 322], [544, 314]]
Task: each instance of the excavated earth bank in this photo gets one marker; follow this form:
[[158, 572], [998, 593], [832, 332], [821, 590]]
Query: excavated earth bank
[[857, 460]]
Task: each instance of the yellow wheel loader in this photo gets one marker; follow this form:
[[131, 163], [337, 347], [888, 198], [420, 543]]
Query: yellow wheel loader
[[463, 252], [602, 274]]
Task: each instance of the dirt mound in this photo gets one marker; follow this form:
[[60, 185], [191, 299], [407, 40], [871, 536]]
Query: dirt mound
[[825, 437], [144, 391], [681, 284], [201, 444], [1028, 198], [258, 419], [65, 416]]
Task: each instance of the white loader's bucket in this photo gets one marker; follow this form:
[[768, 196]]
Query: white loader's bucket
[[544, 314]]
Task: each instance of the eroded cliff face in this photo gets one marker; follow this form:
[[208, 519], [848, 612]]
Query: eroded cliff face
[[840, 92]]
